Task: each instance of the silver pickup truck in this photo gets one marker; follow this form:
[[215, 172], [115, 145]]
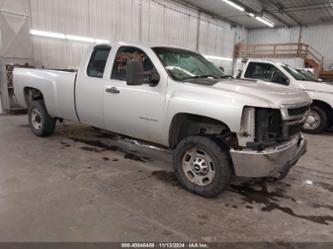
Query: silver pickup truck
[[218, 127]]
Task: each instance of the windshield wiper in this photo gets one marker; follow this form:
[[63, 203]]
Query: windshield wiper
[[227, 77], [203, 76]]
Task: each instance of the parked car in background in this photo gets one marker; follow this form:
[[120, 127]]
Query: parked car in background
[[320, 116], [218, 127]]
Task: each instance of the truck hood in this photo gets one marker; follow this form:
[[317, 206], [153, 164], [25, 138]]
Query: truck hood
[[312, 86], [274, 95]]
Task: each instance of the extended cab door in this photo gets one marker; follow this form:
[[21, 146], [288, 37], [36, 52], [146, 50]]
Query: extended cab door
[[266, 72], [136, 111], [90, 87]]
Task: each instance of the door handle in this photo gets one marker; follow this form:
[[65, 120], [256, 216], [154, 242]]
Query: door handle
[[113, 90]]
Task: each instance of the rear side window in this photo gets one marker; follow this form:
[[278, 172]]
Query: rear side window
[[98, 61], [261, 71]]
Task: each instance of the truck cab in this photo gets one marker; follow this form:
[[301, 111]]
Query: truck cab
[[320, 116]]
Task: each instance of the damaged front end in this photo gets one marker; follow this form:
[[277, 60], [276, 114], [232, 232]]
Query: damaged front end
[[270, 141]]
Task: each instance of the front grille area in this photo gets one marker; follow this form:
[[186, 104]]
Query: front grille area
[[270, 129], [268, 125], [298, 111], [292, 130]]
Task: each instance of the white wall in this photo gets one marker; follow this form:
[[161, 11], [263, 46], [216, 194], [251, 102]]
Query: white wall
[[319, 37], [1, 110], [15, 42], [280, 35], [15, 39], [157, 21]]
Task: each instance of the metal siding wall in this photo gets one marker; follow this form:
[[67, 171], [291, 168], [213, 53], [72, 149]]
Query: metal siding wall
[[281, 35], [319, 37], [15, 43], [59, 16], [15, 39], [162, 21]]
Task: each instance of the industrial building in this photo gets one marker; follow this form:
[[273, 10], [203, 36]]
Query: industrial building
[[108, 172]]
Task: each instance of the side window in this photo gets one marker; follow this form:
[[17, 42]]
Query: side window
[[98, 61], [126, 54], [262, 71]]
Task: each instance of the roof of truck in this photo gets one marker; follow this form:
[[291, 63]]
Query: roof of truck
[[262, 60], [144, 44]]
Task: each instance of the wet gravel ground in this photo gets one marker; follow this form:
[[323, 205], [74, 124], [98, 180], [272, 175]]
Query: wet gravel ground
[[87, 185]]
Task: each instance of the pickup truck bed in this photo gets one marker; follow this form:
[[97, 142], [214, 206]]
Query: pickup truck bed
[[58, 87]]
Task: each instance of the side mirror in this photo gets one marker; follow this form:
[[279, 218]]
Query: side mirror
[[280, 78], [239, 74], [135, 74], [154, 78]]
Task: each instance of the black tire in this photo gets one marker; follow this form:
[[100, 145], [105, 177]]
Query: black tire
[[321, 124], [46, 124], [220, 158]]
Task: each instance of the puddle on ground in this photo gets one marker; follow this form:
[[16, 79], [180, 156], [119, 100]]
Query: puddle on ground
[[65, 145], [322, 185], [106, 159], [98, 146], [325, 186], [269, 199], [117, 137], [108, 135], [260, 195], [90, 149], [257, 196], [135, 157], [313, 218], [167, 177], [323, 206]]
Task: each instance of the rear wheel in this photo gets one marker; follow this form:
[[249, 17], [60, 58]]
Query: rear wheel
[[41, 123], [202, 166], [316, 120]]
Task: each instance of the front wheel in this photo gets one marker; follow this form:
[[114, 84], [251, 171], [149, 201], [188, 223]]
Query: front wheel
[[202, 166], [316, 121], [41, 123]]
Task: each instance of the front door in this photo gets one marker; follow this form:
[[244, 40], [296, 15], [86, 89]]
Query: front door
[[136, 111]]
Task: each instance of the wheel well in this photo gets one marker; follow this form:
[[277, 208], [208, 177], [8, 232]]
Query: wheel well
[[326, 108], [32, 94], [184, 125]]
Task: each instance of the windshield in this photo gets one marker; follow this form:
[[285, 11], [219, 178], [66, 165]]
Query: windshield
[[294, 73], [183, 65], [308, 75]]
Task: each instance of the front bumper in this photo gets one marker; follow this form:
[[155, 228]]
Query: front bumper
[[270, 162]]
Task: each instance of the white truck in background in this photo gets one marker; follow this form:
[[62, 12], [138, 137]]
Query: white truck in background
[[320, 116], [218, 127]]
